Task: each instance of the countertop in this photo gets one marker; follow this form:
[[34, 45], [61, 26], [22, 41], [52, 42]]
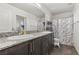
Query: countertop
[[4, 43]]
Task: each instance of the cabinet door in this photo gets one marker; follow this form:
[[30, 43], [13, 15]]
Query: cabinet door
[[20, 49], [45, 45], [30, 48], [37, 46], [50, 41], [3, 52]]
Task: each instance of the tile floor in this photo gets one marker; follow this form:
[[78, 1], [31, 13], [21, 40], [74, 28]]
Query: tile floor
[[64, 50]]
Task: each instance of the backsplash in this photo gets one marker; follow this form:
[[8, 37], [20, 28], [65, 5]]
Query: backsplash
[[7, 34]]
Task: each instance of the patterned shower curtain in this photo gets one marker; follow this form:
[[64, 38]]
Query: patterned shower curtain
[[63, 30]]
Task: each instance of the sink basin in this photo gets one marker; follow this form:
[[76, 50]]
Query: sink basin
[[20, 37], [40, 33]]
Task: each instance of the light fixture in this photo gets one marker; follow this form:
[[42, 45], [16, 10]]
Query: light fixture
[[37, 5]]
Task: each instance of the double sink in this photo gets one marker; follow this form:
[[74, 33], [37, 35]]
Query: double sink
[[13, 40], [20, 37]]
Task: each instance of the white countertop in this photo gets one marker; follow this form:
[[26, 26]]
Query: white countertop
[[4, 43]]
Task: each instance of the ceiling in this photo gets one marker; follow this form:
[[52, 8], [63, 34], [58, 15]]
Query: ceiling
[[54, 8]]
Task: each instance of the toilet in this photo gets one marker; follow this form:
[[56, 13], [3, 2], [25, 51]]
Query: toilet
[[56, 42]]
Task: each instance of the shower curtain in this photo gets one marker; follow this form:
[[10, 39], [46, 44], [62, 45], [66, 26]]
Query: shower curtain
[[63, 30]]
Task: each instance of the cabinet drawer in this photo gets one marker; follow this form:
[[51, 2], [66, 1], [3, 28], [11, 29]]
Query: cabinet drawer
[[20, 49]]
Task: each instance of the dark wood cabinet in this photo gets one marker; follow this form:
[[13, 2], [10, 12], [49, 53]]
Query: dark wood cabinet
[[37, 46], [47, 43], [44, 45]]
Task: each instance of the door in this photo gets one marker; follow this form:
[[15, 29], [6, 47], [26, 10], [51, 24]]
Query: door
[[45, 46]]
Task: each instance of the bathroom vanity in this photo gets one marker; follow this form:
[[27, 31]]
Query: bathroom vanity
[[38, 44]]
